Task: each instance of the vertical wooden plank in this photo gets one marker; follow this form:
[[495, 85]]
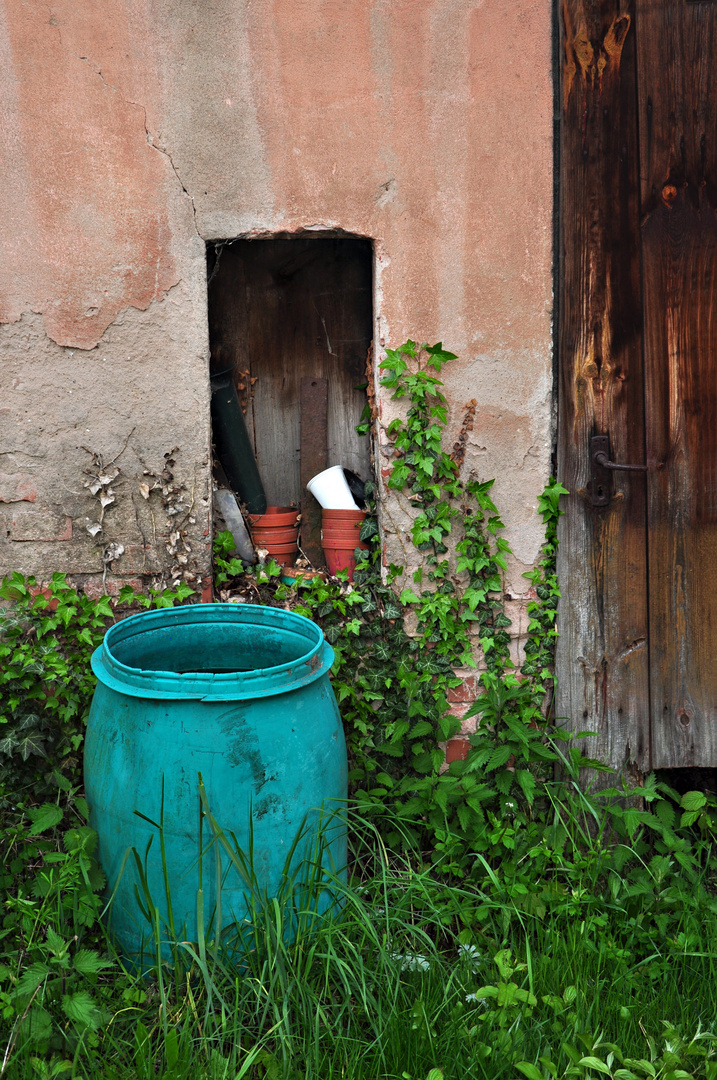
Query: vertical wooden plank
[[677, 66], [602, 651], [314, 417]]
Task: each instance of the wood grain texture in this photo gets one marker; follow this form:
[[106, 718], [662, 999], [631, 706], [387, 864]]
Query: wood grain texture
[[677, 66], [314, 459], [602, 660], [285, 310]]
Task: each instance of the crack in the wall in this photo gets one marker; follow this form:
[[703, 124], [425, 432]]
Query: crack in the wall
[[137, 105], [163, 150], [97, 71]]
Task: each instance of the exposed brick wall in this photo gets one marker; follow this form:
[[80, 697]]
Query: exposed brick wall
[[461, 697]]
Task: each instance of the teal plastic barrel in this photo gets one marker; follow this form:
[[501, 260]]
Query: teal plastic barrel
[[240, 695]]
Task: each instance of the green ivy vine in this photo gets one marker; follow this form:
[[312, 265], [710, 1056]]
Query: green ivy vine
[[393, 688]]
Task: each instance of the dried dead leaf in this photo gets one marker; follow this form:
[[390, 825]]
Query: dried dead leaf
[[144, 490]]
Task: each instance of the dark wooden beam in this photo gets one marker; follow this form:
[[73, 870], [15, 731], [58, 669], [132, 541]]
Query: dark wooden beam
[[314, 458]]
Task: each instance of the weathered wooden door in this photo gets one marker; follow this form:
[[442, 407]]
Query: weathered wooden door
[[637, 656]]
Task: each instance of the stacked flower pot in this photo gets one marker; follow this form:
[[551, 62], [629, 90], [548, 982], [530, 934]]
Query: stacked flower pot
[[341, 520], [277, 531]]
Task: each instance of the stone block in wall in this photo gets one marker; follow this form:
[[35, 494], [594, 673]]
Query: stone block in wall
[[17, 487], [138, 559], [94, 586], [517, 654], [516, 610], [40, 524]]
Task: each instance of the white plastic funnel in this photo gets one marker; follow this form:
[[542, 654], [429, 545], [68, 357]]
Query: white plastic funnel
[[331, 491]]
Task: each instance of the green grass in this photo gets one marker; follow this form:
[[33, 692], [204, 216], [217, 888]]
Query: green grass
[[492, 977]]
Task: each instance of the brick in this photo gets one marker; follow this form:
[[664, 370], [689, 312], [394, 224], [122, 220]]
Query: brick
[[40, 590], [41, 524], [17, 487], [457, 750], [467, 691], [207, 591], [517, 655]]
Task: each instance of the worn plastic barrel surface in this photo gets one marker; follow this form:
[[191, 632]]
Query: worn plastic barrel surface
[[241, 695]]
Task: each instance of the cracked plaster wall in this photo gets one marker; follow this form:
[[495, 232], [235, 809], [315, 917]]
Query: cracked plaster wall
[[135, 130]]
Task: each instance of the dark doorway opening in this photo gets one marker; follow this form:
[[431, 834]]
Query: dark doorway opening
[[292, 319]]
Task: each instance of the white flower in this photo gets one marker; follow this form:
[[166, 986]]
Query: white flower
[[411, 961], [471, 953], [478, 1001]]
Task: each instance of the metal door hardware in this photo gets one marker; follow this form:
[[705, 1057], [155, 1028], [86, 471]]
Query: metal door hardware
[[601, 468]]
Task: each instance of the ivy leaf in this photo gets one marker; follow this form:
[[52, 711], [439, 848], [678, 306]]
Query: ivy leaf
[[408, 596], [369, 528], [31, 743]]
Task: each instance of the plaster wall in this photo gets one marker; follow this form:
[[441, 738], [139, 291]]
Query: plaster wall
[[136, 130]]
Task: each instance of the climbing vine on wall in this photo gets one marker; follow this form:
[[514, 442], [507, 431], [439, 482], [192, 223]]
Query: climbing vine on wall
[[393, 688]]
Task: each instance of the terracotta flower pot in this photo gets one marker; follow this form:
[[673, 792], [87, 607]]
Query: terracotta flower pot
[[340, 556], [343, 515], [278, 531], [340, 537], [265, 536], [275, 517], [353, 527], [340, 532], [342, 520]]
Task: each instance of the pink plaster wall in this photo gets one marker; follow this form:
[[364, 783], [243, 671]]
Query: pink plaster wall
[[85, 219], [134, 129]]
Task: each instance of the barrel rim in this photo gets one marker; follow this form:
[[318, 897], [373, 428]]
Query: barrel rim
[[210, 686]]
